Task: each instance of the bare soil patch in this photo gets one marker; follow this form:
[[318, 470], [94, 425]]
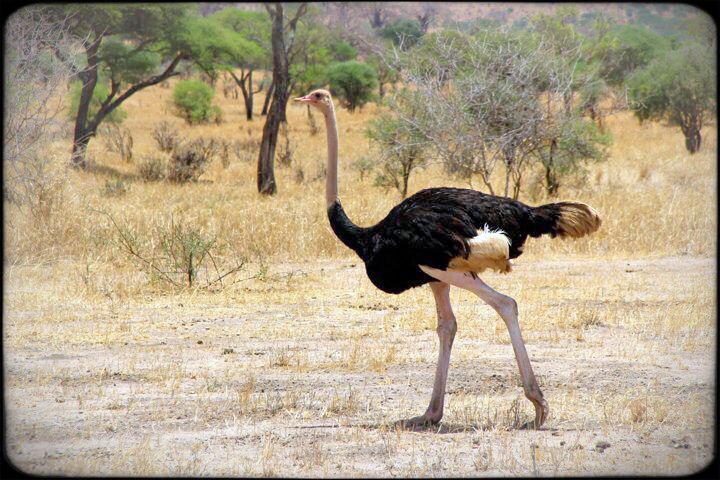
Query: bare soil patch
[[305, 375]]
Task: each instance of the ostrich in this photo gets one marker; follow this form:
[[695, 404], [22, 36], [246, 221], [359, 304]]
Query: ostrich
[[445, 237]]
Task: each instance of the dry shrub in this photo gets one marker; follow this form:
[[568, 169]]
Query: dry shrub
[[246, 150], [152, 168], [284, 149], [189, 161], [114, 188], [224, 152], [118, 139], [167, 137]]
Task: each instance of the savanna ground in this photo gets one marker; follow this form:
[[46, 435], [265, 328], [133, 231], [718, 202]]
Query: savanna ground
[[298, 366]]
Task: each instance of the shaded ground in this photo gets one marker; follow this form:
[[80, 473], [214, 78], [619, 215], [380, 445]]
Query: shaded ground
[[305, 375]]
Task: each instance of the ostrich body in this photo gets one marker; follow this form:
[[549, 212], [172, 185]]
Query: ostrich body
[[444, 237]]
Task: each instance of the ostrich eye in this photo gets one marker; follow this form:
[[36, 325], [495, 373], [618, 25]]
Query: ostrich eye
[[317, 95]]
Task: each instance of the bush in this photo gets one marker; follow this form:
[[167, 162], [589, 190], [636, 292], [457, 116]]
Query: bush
[[152, 169], [353, 82], [188, 162], [400, 149], [404, 32], [166, 136], [193, 101], [175, 252], [114, 188], [118, 139]]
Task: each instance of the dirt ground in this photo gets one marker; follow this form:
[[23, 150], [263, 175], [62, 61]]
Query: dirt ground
[[303, 371]]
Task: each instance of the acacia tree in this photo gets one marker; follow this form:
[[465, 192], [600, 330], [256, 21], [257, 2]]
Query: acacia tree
[[558, 32], [402, 148], [495, 102], [127, 43], [282, 39], [254, 30], [679, 88]]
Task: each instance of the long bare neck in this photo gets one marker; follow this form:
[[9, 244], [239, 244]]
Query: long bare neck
[[331, 179], [344, 228]]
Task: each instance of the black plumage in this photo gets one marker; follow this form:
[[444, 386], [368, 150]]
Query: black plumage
[[434, 226]]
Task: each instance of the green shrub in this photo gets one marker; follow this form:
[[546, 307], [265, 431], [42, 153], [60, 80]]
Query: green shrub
[[193, 101], [404, 32], [353, 82]]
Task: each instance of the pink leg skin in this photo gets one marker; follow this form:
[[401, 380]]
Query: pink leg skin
[[506, 307], [446, 332]]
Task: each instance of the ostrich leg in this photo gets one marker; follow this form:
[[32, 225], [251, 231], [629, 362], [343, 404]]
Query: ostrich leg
[[446, 333], [506, 307]]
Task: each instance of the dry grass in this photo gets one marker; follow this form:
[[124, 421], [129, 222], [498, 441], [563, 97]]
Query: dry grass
[[300, 366]]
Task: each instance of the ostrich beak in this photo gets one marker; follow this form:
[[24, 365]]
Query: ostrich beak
[[305, 99]]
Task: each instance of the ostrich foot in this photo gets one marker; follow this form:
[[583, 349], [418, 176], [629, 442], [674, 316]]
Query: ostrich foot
[[542, 409], [418, 423]]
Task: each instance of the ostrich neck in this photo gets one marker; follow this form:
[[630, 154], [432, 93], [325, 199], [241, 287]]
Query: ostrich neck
[[348, 233], [331, 179]]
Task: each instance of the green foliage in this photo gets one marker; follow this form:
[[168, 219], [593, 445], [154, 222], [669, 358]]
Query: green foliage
[[557, 29], [342, 51], [400, 146], [497, 100], [100, 93], [353, 82], [404, 32], [574, 142], [193, 100], [215, 47], [250, 47], [386, 74], [317, 49], [123, 63], [428, 55], [628, 48], [679, 88]]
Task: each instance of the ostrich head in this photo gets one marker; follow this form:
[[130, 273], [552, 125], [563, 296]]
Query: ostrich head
[[319, 99]]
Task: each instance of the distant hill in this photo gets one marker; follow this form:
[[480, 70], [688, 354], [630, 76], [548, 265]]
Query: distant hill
[[663, 18]]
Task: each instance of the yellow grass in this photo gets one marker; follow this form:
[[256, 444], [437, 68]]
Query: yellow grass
[[302, 369]]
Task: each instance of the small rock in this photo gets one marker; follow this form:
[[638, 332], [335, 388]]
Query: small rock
[[601, 446], [680, 443], [199, 342]]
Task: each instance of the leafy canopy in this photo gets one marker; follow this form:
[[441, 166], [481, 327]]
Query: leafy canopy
[[353, 82], [677, 86]]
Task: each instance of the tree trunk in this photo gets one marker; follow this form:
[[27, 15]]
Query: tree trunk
[[81, 135], [249, 99], [270, 91], [693, 139], [246, 87], [266, 160], [552, 184], [79, 151]]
